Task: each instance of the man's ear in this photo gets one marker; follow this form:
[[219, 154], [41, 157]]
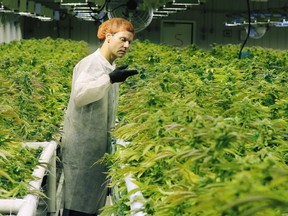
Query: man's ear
[[108, 36]]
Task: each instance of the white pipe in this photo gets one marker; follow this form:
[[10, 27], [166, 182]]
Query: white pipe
[[52, 184], [31, 201], [28, 205], [10, 205], [59, 195], [136, 199]]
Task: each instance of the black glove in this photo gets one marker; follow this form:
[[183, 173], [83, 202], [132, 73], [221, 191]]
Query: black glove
[[120, 74]]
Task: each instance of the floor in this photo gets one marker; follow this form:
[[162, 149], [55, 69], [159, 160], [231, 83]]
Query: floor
[[43, 206]]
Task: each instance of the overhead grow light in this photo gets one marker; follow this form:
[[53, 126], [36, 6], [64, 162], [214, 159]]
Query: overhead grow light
[[270, 17], [283, 23], [186, 2], [74, 2], [11, 4], [170, 6]]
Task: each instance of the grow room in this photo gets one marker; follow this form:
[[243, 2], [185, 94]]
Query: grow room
[[201, 129]]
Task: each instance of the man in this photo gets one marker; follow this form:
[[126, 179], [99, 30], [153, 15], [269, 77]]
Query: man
[[90, 116]]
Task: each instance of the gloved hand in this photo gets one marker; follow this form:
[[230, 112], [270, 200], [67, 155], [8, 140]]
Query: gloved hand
[[120, 74]]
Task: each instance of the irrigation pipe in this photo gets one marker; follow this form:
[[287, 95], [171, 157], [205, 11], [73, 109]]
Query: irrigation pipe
[[10, 206], [28, 205], [136, 199]]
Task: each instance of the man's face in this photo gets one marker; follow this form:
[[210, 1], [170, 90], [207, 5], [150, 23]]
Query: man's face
[[119, 43]]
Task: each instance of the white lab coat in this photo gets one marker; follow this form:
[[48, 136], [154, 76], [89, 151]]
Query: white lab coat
[[89, 118]]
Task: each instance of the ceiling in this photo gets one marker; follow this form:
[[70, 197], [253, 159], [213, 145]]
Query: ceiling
[[94, 7], [92, 10]]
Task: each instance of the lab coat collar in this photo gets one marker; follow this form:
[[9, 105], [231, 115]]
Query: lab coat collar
[[104, 61]]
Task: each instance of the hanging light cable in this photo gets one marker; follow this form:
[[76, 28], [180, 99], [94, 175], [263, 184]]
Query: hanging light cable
[[249, 29]]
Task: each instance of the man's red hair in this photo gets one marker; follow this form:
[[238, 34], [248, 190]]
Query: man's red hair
[[114, 25]]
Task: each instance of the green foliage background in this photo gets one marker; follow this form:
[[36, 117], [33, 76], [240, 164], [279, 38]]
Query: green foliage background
[[207, 131], [35, 80], [35, 77]]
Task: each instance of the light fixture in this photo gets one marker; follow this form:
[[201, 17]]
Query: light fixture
[[79, 9], [186, 2], [157, 15], [233, 23], [23, 5], [38, 8], [83, 9], [79, 15], [160, 14], [43, 18], [174, 7], [27, 8], [273, 19], [56, 15], [283, 23], [31, 7], [11, 4], [86, 16], [47, 12], [74, 2], [4, 10], [160, 11]]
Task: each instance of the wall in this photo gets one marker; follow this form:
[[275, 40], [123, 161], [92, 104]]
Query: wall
[[210, 21], [10, 28], [68, 28]]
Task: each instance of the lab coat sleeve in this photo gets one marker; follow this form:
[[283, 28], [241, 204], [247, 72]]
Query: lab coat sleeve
[[90, 89]]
